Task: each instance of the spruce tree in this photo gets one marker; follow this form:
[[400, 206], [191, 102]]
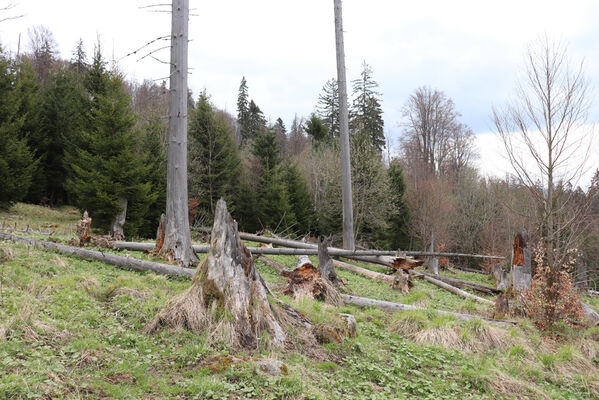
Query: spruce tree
[[398, 233], [328, 107], [317, 130], [16, 161], [298, 194], [243, 111], [213, 158], [366, 112], [257, 122], [108, 167]]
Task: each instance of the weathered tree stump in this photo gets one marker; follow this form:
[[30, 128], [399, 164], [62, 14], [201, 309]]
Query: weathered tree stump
[[225, 283], [159, 236], [501, 277], [521, 274], [326, 268], [84, 230], [116, 230], [402, 282]]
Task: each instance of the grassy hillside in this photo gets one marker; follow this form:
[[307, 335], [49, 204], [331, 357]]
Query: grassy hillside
[[73, 329]]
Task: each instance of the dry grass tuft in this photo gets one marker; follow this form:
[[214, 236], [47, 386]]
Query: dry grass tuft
[[509, 386], [445, 336]]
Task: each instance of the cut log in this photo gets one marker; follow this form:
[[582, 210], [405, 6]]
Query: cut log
[[84, 229], [227, 280], [116, 231], [326, 268], [395, 307], [452, 289], [112, 259]]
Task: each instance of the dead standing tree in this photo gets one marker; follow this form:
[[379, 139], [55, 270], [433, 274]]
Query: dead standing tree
[[176, 240]]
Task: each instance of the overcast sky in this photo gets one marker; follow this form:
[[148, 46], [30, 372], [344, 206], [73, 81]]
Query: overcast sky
[[470, 49]]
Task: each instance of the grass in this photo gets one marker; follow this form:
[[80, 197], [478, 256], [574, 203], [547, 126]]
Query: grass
[[71, 329]]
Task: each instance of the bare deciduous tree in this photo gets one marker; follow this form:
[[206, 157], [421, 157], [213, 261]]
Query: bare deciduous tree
[[547, 143]]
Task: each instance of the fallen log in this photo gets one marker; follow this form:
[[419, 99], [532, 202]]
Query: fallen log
[[464, 284], [112, 259], [364, 271], [394, 307], [372, 253], [451, 289]]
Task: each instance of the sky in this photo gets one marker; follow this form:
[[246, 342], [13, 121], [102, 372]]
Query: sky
[[472, 50]]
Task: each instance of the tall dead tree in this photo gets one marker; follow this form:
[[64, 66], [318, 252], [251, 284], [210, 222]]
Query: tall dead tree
[[177, 236], [348, 217]]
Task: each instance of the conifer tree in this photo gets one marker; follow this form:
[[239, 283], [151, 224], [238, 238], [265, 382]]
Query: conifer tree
[[16, 161], [328, 107], [317, 130], [108, 167], [300, 204], [257, 122], [366, 112], [243, 111], [398, 236], [79, 60], [213, 159]]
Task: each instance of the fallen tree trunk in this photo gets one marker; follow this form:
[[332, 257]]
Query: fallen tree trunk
[[332, 250], [464, 284], [394, 307], [112, 259], [451, 289], [364, 271]]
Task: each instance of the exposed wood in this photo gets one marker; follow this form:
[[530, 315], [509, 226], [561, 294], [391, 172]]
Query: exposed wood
[[116, 230], [84, 229], [112, 259], [304, 260], [405, 263], [454, 289], [394, 307], [346, 186], [305, 280], [465, 284], [159, 238], [177, 239], [326, 268], [227, 280], [402, 282], [521, 273]]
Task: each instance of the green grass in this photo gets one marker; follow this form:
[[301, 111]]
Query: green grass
[[72, 329]]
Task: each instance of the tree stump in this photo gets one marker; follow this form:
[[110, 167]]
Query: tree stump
[[159, 236], [326, 267], [501, 277], [116, 230], [402, 282], [225, 284], [305, 280], [84, 230], [521, 275]]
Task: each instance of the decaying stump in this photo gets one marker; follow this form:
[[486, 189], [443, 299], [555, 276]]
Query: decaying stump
[[402, 282], [502, 306], [159, 236], [305, 280], [326, 268], [521, 263], [84, 230], [501, 277], [116, 230], [225, 284]]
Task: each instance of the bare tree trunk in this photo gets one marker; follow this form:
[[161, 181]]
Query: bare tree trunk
[[452, 289], [433, 262], [521, 263], [177, 240], [116, 231], [348, 218]]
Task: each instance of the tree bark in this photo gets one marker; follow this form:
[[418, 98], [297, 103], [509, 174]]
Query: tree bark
[[326, 268], [84, 229], [521, 275], [394, 307], [116, 231], [227, 280], [348, 218], [177, 239], [433, 262]]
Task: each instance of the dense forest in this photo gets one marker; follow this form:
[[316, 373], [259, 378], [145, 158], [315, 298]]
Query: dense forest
[[78, 132]]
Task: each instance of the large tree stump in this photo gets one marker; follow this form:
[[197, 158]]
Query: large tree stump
[[226, 286], [84, 230], [521, 274]]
